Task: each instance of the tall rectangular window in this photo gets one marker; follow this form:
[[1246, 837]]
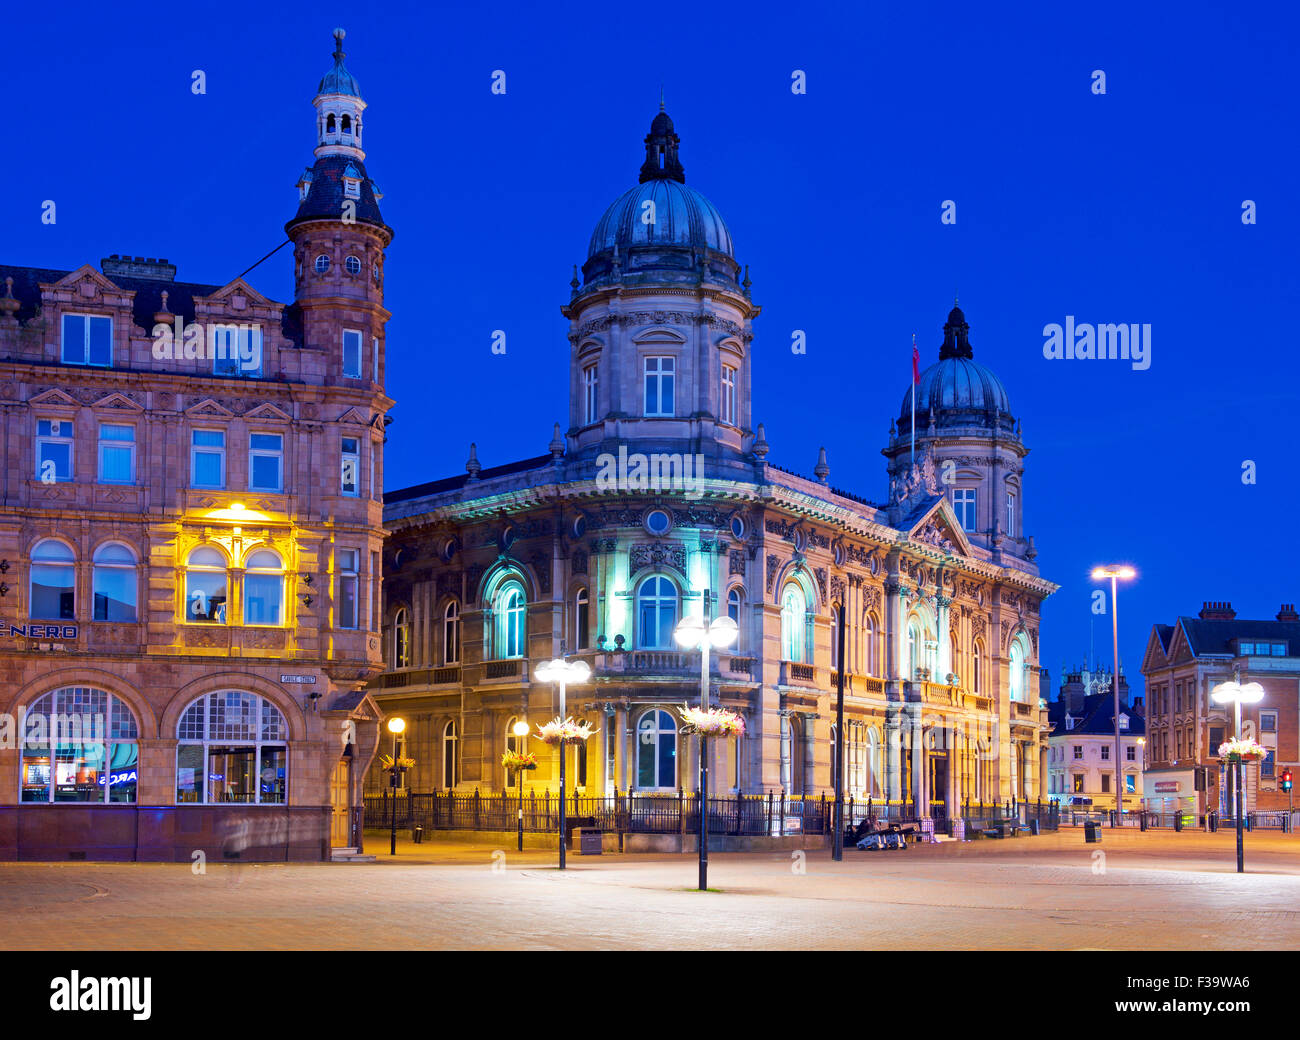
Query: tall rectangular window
[[659, 376], [350, 467], [347, 594], [53, 450], [1011, 515], [590, 386], [87, 340], [116, 453], [963, 504], [208, 459], [374, 359], [265, 462], [729, 413], [352, 353]]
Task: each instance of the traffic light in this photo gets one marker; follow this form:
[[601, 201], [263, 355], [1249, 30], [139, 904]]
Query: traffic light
[[1286, 780]]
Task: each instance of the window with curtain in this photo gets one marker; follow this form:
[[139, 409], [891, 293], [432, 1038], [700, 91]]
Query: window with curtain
[[264, 588], [205, 586]]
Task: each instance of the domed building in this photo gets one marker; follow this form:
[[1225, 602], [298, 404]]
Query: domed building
[[657, 501]]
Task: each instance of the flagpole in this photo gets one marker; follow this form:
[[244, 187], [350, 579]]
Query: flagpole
[[912, 460]]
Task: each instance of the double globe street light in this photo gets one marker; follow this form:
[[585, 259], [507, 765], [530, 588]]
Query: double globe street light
[[562, 673], [1237, 694], [396, 726], [700, 633], [1116, 572]]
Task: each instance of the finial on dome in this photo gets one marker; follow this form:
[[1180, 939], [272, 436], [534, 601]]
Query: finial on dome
[[661, 97], [661, 162], [822, 470], [760, 448], [557, 444], [574, 283], [956, 336], [472, 466], [338, 45]]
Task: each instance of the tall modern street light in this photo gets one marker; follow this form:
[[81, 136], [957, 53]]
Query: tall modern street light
[[1114, 573], [396, 726], [520, 730], [699, 632], [1237, 694], [563, 673]]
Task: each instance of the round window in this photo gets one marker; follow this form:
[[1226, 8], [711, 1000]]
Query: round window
[[449, 547], [322, 264], [738, 527], [579, 526], [507, 536], [839, 555], [376, 274], [658, 522], [800, 539], [353, 265]]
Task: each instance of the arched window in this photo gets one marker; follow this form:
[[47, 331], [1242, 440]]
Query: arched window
[[79, 745], [872, 784], [913, 649], [264, 588], [450, 756], [656, 601], [1017, 669], [835, 638], [514, 742], [347, 124], [581, 620], [869, 630], [53, 582], [792, 754], [976, 668], [205, 586], [451, 634], [734, 600], [954, 657], [114, 582], [656, 751], [329, 123], [402, 639], [511, 620], [233, 749], [794, 611]]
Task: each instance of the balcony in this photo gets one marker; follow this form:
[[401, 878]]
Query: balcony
[[795, 673], [505, 669], [449, 675], [859, 685], [650, 664]]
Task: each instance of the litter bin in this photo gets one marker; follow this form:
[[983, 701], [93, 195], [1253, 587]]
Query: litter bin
[[588, 841], [418, 835], [1142, 820], [1178, 821], [1213, 820], [1091, 832], [1034, 827]]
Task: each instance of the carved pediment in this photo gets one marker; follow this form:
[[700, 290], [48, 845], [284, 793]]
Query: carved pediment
[[355, 417], [210, 408], [238, 287], [55, 396], [118, 402], [271, 412], [90, 276]]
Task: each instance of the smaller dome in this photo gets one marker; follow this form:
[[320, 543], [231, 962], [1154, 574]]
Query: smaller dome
[[957, 389], [682, 217]]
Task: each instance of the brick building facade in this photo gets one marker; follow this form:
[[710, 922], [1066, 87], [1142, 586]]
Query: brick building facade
[[190, 540]]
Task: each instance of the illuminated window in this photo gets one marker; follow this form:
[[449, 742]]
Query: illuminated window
[[581, 620], [264, 589], [735, 599], [1017, 668], [794, 611], [656, 600], [656, 751], [729, 410], [53, 582], [349, 579], [114, 582], [205, 586], [510, 609], [590, 389], [79, 745], [402, 639], [233, 750]]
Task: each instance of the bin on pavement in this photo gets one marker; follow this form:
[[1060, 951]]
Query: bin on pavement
[[1091, 832], [588, 841]]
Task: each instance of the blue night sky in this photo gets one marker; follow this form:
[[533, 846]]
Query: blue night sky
[[1120, 208]]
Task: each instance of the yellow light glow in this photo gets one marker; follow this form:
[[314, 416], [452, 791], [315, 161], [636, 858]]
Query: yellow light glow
[[1120, 571], [396, 725], [520, 728]]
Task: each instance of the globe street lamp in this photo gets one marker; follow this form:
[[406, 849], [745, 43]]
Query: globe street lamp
[[1237, 694], [396, 726], [520, 730], [1114, 573], [562, 673], [698, 632]]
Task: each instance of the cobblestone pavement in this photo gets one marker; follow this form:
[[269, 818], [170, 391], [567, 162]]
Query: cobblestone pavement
[[1145, 891]]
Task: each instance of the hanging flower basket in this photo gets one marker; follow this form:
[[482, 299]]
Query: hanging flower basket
[[1242, 751], [712, 722], [402, 763], [519, 760], [557, 732]]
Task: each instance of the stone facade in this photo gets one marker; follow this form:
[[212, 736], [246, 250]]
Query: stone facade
[[659, 502], [177, 523]]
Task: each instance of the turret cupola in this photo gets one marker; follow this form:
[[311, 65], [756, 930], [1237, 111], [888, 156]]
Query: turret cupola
[[338, 108]]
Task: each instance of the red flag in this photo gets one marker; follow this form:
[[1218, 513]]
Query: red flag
[[916, 363]]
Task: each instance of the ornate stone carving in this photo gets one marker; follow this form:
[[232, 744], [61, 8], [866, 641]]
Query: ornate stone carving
[[820, 575], [656, 554], [871, 596], [916, 483], [837, 589], [542, 568], [603, 545], [737, 558], [778, 526], [978, 625], [933, 534], [773, 562], [579, 562]]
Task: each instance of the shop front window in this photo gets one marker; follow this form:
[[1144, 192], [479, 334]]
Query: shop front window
[[79, 745], [233, 750]]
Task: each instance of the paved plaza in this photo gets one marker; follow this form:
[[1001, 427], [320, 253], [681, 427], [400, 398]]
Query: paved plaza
[[1157, 890]]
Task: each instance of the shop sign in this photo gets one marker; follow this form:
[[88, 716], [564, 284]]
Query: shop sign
[[301, 680], [1171, 786], [38, 631]]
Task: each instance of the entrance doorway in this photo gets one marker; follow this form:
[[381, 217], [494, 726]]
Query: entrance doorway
[[341, 800], [939, 784]]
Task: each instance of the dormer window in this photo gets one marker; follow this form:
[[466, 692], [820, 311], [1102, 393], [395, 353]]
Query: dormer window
[[87, 340], [351, 182], [1123, 722], [304, 185]]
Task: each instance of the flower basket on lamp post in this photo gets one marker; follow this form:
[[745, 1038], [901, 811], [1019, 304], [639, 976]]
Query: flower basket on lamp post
[[516, 760], [711, 722], [564, 731], [1242, 751]]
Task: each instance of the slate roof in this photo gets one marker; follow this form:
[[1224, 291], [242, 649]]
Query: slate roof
[[435, 487], [1217, 636], [1098, 718], [325, 197]]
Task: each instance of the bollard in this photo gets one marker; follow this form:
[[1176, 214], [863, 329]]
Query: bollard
[[417, 835], [1178, 821], [1142, 821]]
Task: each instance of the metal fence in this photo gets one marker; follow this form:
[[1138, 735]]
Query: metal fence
[[679, 813]]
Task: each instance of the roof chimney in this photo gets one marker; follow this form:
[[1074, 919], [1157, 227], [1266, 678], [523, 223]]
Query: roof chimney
[[1287, 613], [156, 270], [1216, 611]]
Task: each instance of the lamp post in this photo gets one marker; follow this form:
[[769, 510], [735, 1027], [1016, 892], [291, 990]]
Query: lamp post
[[699, 632], [563, 673], [520, 729], [396, 726], [1114, 572], [1237, 694]]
